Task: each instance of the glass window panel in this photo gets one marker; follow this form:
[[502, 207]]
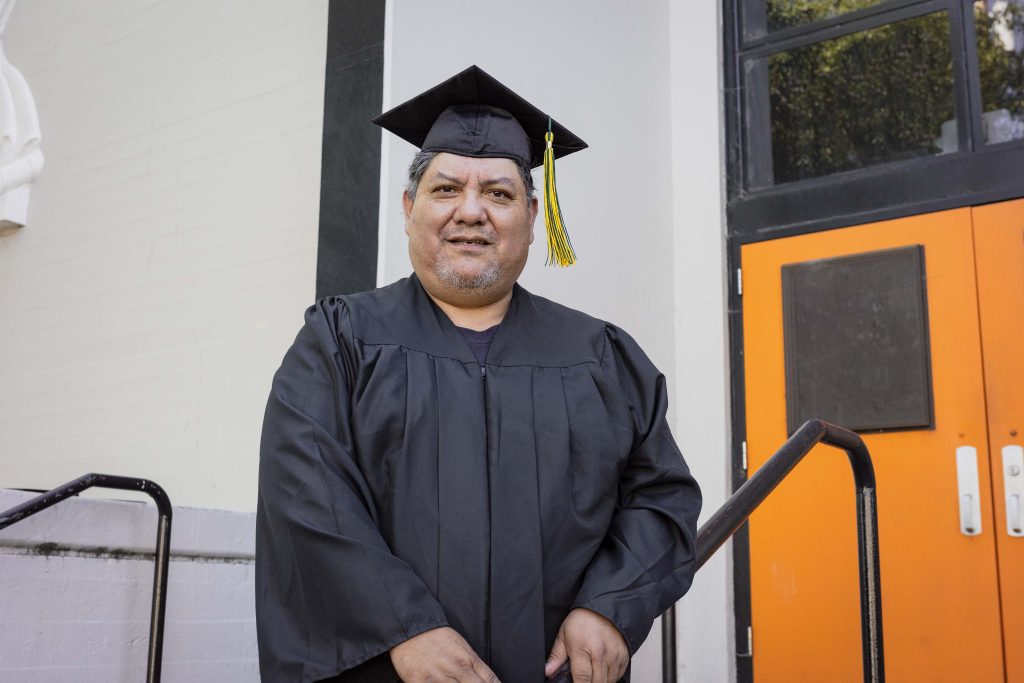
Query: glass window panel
[[875, 96], [999, 29], [765, 16]]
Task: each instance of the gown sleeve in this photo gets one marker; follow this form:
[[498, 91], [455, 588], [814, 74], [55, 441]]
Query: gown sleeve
[[330, 595], [647, 559]]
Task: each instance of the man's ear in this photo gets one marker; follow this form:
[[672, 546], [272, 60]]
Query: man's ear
[[534, 208], [406, 208]]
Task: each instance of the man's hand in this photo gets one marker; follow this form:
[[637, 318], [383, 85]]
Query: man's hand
[[439, 654], [596, 651]]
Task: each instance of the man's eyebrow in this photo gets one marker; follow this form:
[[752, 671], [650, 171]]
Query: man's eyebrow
[[449, 178], [500, 181]]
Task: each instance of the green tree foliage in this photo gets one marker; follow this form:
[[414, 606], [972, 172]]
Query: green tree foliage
[[877, 95], [786, 13], [1002, 70]]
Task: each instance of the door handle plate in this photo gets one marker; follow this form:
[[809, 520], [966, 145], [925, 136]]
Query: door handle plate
[[968, 490], [1013, 485]]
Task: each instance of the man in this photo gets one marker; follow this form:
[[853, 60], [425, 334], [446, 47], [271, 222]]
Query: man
[[460, 480]]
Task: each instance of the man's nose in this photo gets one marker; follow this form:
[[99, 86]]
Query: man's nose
[[470, 209]]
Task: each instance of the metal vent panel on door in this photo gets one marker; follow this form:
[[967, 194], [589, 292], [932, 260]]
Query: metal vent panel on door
[[856, 341]]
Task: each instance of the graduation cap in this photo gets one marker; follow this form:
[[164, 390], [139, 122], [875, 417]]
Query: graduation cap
[[472, 114]]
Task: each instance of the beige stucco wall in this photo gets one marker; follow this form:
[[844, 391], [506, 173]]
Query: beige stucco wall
[[171, 242]]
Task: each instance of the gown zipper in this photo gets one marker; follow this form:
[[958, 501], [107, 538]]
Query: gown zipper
[[490, 526]]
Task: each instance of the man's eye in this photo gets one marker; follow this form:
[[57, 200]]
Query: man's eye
[[445, 189], [500, 194]]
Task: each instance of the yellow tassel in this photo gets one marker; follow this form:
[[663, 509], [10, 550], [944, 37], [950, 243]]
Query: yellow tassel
[[560, 251]]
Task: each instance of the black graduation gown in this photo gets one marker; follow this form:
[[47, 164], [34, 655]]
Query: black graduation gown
[[404, 487]]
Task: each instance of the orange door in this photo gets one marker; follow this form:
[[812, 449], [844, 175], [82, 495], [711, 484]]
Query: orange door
[[940, 591], [999, 253]]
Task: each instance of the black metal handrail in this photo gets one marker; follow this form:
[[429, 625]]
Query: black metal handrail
[[163, 542], [731, 516]]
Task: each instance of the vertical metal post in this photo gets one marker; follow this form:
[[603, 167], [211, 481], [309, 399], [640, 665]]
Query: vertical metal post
[[872, 650], [158, 608], [668, 646]]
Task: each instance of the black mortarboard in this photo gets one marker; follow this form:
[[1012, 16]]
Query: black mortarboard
[[472, 114]]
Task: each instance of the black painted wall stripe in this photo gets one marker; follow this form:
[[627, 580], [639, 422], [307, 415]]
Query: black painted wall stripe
[[350, 166]]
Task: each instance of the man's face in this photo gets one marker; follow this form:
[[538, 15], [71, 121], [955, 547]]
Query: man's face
[[470, 227]]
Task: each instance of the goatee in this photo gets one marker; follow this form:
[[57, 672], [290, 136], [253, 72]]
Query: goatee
[[450, 276]]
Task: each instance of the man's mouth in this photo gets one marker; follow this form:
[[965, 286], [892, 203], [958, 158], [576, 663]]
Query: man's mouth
[[468, 240]]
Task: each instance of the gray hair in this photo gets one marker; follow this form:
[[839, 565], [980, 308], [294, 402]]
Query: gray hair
[[422, 159]]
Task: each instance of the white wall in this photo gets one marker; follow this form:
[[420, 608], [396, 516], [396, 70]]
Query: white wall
[[77, 583], [171, 242], [601, 69], [705, 615]]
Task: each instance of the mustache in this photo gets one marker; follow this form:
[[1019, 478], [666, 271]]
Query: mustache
[[482, 235]]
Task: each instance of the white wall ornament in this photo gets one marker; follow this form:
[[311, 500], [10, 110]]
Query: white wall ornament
[[21, 159]]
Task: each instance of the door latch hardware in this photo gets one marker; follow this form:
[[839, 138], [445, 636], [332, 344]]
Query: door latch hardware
[[1013, 484], [968, 490]]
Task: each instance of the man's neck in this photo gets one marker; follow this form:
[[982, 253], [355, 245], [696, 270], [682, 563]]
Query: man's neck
[[475, 317]]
